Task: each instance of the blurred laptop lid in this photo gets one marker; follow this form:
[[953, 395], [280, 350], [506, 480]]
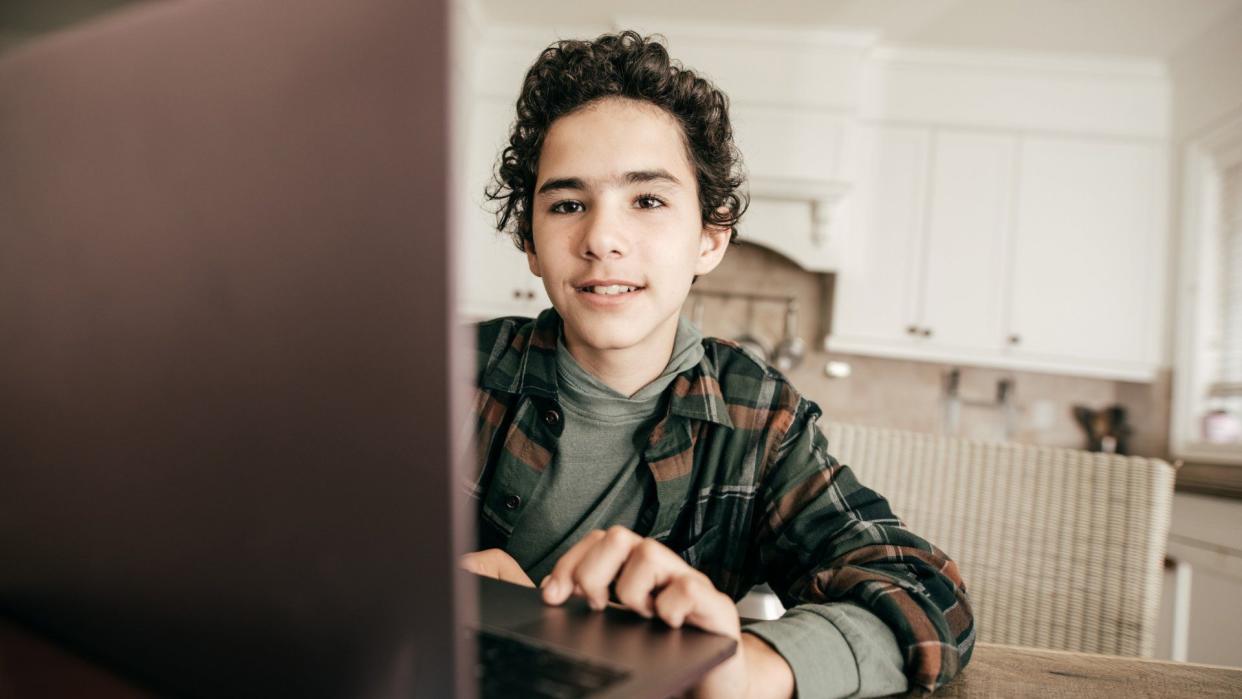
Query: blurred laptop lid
[[225, 346]]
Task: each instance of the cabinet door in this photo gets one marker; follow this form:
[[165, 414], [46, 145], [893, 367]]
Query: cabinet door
[[968, 229], [1086, 284], [877, 287]]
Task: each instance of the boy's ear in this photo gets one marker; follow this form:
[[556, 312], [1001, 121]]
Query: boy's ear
[[712, 247], [532, 260]]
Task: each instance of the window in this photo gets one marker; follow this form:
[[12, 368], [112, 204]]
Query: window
[[1226, 389], [1207, 409]]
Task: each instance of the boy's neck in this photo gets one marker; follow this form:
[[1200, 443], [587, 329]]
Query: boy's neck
[[626, 370]]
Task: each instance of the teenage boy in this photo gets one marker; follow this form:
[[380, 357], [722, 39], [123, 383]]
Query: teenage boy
[[622, 454]]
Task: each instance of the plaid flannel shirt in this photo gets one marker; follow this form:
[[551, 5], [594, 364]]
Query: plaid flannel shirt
[[745, 491]]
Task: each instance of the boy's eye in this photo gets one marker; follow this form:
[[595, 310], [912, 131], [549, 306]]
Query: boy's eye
[[569, 206], [649, 201]]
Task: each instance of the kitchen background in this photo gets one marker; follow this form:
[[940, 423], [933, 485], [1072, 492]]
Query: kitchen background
[[988, 212], [975, 204], [913, 395]]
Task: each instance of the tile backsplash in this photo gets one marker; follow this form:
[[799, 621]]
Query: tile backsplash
[[909, 395]]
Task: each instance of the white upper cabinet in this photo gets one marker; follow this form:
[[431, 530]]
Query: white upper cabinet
[[1031, 252], [964, 254], [923, 276], [1088, 255], [1021, 205], [877, 291]]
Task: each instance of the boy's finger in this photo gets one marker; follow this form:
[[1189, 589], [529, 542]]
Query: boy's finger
[[675, 602], [650, 566], [559, 583], [599, 567], [640, 577], [692, 599], [714, 611], [470, 563], [512, 572]]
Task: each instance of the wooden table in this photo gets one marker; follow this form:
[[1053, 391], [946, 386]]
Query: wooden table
[[31, 666], [1009, 671]]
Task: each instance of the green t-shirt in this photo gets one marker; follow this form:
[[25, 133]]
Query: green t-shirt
[[596, 478]]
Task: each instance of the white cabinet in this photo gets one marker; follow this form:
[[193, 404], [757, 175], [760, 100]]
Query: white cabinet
[[923, 279], [994, 248], [876, 293], [964, 253], [1087, 281], [1203, 534], [494, 277]]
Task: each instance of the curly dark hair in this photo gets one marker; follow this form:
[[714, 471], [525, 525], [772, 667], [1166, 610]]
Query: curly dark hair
[[571, 74]]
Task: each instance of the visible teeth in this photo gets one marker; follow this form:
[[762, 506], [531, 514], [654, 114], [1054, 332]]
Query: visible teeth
[[611, 290]]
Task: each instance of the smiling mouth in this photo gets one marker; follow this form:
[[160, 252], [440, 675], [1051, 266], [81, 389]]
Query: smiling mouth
[[610, 290]]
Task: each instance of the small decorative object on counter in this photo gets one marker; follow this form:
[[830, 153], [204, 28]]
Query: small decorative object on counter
[[1106, 429], [1221, 426], [837, 369]]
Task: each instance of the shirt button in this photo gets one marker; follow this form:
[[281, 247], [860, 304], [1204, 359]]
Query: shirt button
[[551, 418], [512, 502]]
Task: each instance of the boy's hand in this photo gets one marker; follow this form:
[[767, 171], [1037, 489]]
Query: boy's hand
[[652, 580], [495, 563]]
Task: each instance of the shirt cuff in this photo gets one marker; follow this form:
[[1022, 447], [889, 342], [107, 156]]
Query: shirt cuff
[[836, 650]]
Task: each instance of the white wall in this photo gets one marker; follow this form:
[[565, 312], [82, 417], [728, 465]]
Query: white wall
[[1207, 79]]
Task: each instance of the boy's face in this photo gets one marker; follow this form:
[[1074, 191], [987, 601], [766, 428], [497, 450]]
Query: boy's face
[[617, 228]]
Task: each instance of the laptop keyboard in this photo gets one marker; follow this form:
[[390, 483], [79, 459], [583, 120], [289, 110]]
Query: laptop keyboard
[[510, 667]]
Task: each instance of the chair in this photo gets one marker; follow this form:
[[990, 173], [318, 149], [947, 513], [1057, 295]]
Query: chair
[[1059, 548]]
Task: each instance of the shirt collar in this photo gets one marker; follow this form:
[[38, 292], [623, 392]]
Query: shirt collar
[[696, 394], [528, 366]]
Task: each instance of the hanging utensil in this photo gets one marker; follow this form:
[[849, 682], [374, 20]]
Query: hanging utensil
[[748, 339], [792, 349]]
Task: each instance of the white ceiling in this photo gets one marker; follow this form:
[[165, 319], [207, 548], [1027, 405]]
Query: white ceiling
[[1132, 28]]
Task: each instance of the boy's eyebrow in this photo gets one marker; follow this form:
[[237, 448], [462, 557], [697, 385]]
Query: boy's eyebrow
[[561, 183], [632, 177], [650, 176]]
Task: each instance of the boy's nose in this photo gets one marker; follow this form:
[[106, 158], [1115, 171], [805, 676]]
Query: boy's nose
[[604, 236]]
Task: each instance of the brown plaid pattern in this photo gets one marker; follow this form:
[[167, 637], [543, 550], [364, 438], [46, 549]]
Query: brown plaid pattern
[[744, 489]]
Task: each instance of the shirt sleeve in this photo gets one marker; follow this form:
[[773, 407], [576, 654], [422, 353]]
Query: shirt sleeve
[[826, 538], [836, 650]]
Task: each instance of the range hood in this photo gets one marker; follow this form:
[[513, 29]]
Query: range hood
[[796, 217]]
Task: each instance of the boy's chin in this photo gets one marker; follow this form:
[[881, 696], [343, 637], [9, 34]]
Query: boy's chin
[[611, 334], [609, 339]]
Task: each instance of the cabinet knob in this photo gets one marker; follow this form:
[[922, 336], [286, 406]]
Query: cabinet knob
[[530, 296], [926, 332], [517, 293], [1015, 339], [912, 330]]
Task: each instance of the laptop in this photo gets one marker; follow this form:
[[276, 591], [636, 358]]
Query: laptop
[[229, 366]]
